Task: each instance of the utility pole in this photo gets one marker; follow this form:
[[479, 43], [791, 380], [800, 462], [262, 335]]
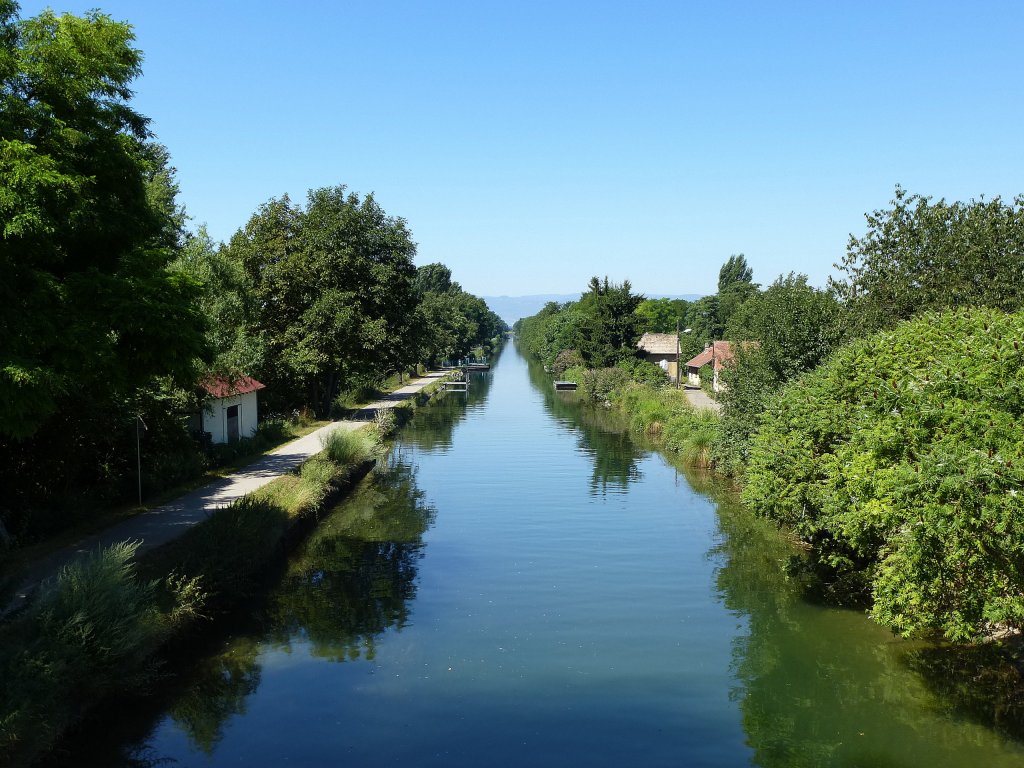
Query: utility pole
[[138, 450], [678, 362]]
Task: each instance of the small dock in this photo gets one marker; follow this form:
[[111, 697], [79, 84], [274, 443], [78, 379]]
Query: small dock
[[456, 385], [565, 386]]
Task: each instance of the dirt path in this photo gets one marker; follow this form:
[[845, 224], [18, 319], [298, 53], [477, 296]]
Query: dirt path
[[162, 524], [698, 399]]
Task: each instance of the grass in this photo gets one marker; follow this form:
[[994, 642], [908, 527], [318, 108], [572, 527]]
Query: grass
[[98, 628], [666, 416], [91, 633]]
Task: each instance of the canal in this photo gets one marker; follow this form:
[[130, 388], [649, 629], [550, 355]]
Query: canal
[[523, 584]]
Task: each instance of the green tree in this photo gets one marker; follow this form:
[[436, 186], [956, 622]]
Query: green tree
[[795, 327], [734, 272], [88, 305], [923, 255], [331, 293], [662, 315], [610, 329], [434, 278]]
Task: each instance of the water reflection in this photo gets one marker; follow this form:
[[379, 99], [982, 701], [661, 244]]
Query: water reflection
[[436, 423], [356, 575], [603, 435], [819, 686]]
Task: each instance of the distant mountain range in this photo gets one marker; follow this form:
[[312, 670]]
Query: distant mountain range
[[511, 308]]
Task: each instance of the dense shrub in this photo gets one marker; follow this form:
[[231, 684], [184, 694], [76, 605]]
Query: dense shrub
[[599, 384], [566, 359], [899, 462], [644, 372]]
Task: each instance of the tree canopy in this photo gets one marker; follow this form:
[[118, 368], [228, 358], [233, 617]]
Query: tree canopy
[[921, 255], [899, 460], [87, 306]]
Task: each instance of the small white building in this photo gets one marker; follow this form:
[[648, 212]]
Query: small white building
[[230, 412]]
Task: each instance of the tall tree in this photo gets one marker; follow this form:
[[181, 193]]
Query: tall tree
[[922, 255], [86, 303], [94, 327], [610, 328], [332, 292], [734, 271]]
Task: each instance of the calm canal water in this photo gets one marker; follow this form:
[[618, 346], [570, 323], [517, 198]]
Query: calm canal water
[[523, 585]]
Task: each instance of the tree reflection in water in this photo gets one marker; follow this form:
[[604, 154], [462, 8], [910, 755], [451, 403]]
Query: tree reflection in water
[[602, 434], [351, 581], [820, 686], [356, 575]]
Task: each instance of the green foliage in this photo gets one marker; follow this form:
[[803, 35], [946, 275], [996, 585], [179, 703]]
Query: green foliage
[[602, 327], [734, 272], [795, 327], [919, 255], [644, 372], [665, 414], [899, 462], [566, 359], [329, 293], [88, 635], [452, 324], [598, 384], [88, 307], [346, 448], [662, 315]]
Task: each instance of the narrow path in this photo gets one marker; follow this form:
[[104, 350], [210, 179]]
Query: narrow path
[[699, 399], [162, 524]]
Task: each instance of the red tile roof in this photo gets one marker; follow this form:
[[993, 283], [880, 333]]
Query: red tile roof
[[222, 386], [720, 351]]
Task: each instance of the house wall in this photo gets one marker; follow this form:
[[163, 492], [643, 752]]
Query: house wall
[[671, 359], [215, 418]]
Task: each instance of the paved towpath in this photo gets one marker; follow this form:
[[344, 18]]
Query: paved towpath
[[162, 524], [699, 399]]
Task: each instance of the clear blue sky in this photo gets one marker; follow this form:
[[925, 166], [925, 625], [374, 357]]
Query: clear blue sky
[[532, 144]]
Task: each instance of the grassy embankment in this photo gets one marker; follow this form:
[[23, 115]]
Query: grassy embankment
[[660, 412], [99, 628]]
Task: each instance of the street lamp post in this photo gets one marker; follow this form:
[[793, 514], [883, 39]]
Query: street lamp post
[[679, 362]]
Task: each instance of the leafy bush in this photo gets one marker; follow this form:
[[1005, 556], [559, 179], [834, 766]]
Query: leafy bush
[[566, 359], [644, 372], [598, 385], [899, 461]]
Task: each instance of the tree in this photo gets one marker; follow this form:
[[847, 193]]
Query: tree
[[734, 272], [332, 293], [662, 315], [86, 300], [226, 304], [434, 278], [610, 329], [919, 255], [796, 325]]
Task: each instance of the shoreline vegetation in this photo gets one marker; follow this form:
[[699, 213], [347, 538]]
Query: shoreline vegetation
[[876, 420], [101, 628]]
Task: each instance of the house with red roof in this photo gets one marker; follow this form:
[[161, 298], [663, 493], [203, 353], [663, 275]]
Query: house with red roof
[[717, 354], [230, 410]]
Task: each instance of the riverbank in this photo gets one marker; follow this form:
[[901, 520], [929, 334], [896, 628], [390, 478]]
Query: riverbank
[[449, 597], [100, 627]]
